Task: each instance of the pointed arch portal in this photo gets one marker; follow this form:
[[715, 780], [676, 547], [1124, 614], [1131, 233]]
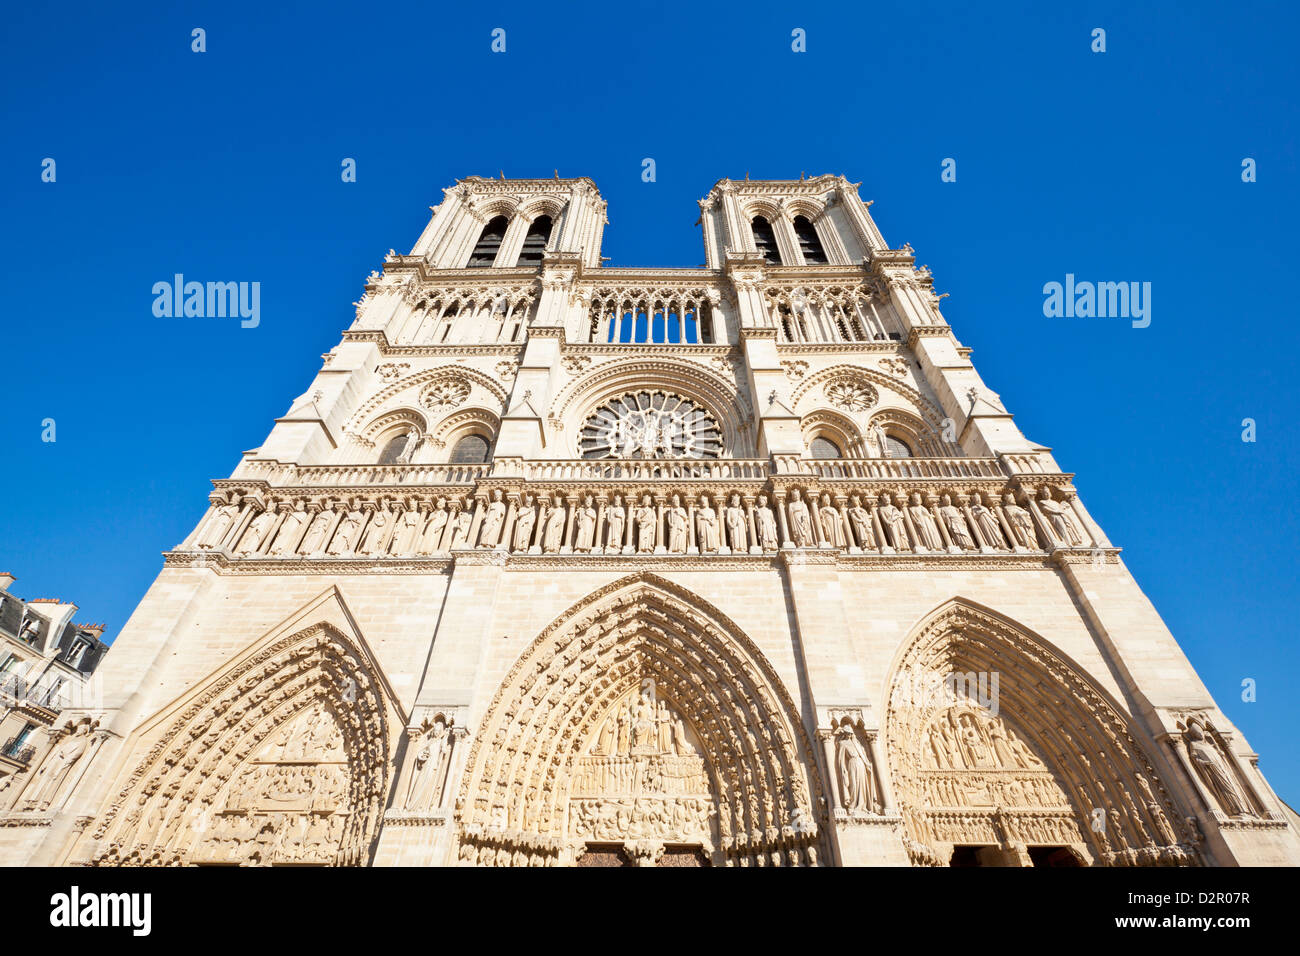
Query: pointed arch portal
[[642, 718], [1014, 771]]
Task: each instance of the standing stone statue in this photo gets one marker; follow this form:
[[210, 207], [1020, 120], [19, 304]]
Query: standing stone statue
[[1022, 523], [525, 521], [490, 534], [879, 444], [831, 525], [314, 542], [58, 766], [956, 524], [707, 519], [345, 537], [408, 531], [585, 539], [553, 536], [857, 790], [987, 522], [1058, 516], [413, 439], [924, 524], [676, 518], [373, 542], [426, 779], [287, 536], [616, 524], [221, 522], [1214, 771], [765, 524], [437, 525], [256, 532], [737, 527], [460, 528], [895, 525], [645, 527], [800, 522], [860, 519]]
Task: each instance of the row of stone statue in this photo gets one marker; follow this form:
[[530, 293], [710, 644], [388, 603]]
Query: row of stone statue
[[660, 525]]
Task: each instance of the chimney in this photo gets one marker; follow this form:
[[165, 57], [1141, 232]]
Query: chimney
[[6, 580]]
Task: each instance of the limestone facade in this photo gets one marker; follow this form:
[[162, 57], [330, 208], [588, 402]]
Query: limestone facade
[[561, 564]]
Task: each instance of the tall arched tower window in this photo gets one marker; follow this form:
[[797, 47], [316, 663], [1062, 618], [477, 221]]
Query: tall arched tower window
[[809, 244], [765, 240], [471, 450], [539, 234], [489, 243]]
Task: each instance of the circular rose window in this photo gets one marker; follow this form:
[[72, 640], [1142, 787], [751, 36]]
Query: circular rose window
[[651, 425]]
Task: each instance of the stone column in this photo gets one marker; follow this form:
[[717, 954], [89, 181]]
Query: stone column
[[597, 547], [755, 547], [778, 499], [846, 526], [881, 541], [566, 545]]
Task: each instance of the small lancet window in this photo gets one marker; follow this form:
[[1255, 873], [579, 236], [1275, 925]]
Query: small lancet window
[[539, 234], [489, 243], [809, 244], [765, 241]]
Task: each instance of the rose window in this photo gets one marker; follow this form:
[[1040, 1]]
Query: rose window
[[651, 425]]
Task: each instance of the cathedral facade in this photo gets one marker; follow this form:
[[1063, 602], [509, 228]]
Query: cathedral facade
[[561, 564]]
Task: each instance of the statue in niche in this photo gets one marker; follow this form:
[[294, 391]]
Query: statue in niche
[[490, 534], [860, 521], [646, 519], [58, 767], [857, 789], [314, 542], [460, 527], [765, 525], [407, 536], [645, 737], [664, 723], [257, 531], [1022, 523], [434, 531], [525, 521], [987, 523], [553, 536], [676, 519], [373, 542], [1213, 769], [800, 522], [1058, 516], [895, 525], [428, 773], [616, 524], [290, 527], [923, 522], [831, 525], [737, 530], [221, 522], [956, 524], [707, 519], [585, 539], [345, 537]]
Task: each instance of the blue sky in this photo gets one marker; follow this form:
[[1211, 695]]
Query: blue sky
[[225, 165]]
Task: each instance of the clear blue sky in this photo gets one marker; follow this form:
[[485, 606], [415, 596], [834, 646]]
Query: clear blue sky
[[225, 165]]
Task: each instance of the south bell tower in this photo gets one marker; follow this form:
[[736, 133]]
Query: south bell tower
[[555, 563]]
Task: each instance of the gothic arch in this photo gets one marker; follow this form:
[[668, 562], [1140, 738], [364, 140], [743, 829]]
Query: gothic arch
[[532, 754], [447, 372], [542, 206], [838, 428], [913, 431], [1036, 769], [469, 421], [585, 393], [378, 430], [931, 413], [281, 757]]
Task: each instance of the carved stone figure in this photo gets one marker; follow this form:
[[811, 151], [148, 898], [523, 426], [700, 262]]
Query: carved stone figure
[[676, 518], [707, 520], [894, 524], [413, 439], [616, 524], [1022, 523], [460, 528], [59, 765], [765, 525], [877, 443], [221, 522], [376, 531], [585, 538], [831, 526], [857, 789], [256, 532], [924, 524], [860, 520], [345, 537], [490, 533], [409, 527], [314, 541], [287, 535], [429, 767], [955, 521], [435, 529], [645, 526], [1213, 769], [553, 536], [525, 521], [800, 522], [737, 526], [987, 523], [1058, 516]]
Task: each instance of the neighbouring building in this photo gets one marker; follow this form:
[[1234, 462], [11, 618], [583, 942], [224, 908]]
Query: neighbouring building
[[556, 564]]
